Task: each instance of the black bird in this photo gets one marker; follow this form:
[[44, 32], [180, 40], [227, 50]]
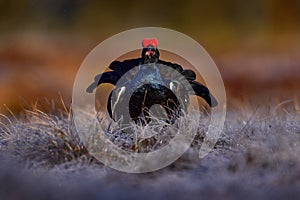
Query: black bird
[[147, 86]]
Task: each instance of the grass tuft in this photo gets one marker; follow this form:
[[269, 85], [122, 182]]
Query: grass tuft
[[257, 156]]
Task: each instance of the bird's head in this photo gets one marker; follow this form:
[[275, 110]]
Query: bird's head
[[150, 52]]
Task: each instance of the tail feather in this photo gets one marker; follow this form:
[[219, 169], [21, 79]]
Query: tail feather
[[202, 91], [122, 67], [106, 77], [190, 75]]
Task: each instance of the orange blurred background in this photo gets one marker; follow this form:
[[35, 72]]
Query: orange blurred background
[[256, 44]]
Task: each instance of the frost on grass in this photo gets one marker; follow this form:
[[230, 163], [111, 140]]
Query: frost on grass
[[45, 139], [40, 139], [257, 156]]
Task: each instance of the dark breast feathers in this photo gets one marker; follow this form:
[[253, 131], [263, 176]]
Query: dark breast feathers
[[147, 86]]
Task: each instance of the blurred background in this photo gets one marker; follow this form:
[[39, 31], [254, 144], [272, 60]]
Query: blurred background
[[256, 44]]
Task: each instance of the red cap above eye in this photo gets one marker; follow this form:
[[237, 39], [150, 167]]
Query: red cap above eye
[[147, 41]]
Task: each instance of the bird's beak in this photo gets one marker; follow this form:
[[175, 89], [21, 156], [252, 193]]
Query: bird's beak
[[150, 53]]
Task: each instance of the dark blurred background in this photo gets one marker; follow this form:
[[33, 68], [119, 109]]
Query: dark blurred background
[[256, 44]]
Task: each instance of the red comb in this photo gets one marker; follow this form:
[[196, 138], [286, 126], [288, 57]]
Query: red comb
[[147, 41]]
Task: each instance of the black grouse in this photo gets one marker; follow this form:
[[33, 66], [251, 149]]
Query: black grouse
[[146, 87]]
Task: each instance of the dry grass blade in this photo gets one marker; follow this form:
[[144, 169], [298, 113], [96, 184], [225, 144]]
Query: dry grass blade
[[265, 156]]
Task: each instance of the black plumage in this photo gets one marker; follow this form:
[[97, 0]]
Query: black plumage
[[154, 90]]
